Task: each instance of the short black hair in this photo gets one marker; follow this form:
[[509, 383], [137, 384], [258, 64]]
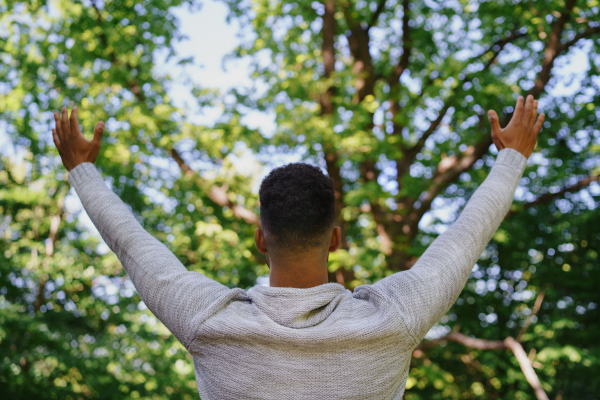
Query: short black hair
[[297, 206]]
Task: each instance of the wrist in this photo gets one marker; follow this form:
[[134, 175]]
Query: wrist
[[525, 153], [512, 158], [82, 173], [71, 164]]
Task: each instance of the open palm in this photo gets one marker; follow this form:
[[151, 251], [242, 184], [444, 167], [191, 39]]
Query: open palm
[[522, 131], [73, 148]]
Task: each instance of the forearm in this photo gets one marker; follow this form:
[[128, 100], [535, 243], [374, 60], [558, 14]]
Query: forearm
[[174, 294], [428, 290], [115, 222]]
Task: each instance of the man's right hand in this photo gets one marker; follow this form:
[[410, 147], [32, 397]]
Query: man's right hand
[[522, 131], [73, 148]]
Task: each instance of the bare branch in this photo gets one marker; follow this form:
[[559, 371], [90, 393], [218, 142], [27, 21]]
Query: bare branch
[[526, 367], [474, 343], [483, 344]]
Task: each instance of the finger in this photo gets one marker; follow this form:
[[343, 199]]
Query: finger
[[495, 125], [57, 125], [64, 122], [534, 113], [98, 131], [528, 107], [73, 119], [494, 122], [56, 139], [518, 114], [538, 124]]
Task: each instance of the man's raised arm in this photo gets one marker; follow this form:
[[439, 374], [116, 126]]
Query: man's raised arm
[[426, 292], [174, 294]]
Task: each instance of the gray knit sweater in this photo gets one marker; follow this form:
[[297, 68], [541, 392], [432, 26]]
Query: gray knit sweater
[[323, 342]]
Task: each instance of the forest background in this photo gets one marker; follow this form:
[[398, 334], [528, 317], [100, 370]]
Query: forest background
[[389, 97]]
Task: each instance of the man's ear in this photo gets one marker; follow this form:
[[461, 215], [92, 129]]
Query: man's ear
[[259, 239], [336, 239]]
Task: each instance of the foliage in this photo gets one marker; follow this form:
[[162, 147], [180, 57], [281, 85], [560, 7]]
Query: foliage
[[388, 96]]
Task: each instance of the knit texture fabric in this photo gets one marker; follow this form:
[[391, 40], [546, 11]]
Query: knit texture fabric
[[323, 342]]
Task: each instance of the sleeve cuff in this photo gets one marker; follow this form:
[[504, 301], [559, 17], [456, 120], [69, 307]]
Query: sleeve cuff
[[82, 173], [511, 158]]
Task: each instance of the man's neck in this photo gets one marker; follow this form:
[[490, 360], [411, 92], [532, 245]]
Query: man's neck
[[298, 272], [285, 280]]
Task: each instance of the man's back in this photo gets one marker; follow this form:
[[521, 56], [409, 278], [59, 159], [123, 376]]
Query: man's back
[[317, 343]]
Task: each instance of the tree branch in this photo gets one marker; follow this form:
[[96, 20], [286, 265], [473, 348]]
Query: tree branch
[[495, 47], [534, 311], [448, 170], [328, 52], [514, 35], [369, 173], [545, 198], [342, 275], [402, 65], [217, 194], [585, 34], [467, 341], [358, 41], [552, 49], [432, 127], [52, 238], [483, 344], [376, 14], [403, 165], [406, 46], [526, 367]]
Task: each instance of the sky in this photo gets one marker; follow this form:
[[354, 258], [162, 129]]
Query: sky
[[211, 39]]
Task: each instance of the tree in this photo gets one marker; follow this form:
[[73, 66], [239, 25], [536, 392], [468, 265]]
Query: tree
[[389, 97]]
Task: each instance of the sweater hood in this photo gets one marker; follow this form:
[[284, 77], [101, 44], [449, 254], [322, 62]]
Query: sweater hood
[[298, 308]]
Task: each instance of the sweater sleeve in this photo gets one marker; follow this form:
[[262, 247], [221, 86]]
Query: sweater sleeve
[[174, 294], [426, 292]]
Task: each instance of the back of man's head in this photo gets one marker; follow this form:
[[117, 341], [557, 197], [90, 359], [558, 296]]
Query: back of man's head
[[297, 207]]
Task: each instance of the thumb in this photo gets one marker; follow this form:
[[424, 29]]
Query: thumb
[[98, 131], [494, 122]]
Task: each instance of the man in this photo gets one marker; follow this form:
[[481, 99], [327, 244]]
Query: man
[[301, 338]]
